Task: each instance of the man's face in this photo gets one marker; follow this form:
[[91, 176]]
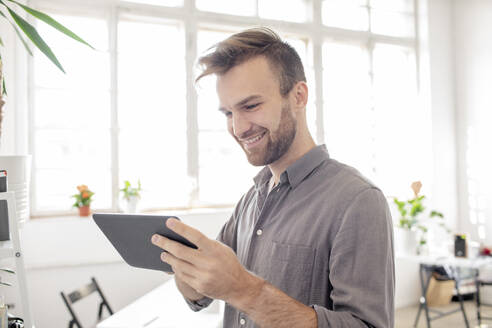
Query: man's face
[[258, 117]]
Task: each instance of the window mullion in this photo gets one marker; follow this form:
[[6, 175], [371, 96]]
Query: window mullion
[[113, 52], [191, 100], [317, 37]]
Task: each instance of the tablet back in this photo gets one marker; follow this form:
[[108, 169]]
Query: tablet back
[[130, 234]]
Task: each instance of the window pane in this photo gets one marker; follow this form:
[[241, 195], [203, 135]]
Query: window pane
[[241, 8], [80, 62], [392, 23], [63, 182], [293, 10], [168, 3], [72, 116], [152, 112], [304, 50], [402, 126], [348, 14], [71, 108], [393, 5], [225, 173], [347, 104]]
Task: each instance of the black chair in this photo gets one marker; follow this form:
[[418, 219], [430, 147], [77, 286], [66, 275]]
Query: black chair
[[79, 294], [479, 282]]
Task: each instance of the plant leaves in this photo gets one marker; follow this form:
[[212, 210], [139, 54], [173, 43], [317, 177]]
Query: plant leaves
[[16, 31], [7, 270], [32, 34], [1, 42], [52, 22]]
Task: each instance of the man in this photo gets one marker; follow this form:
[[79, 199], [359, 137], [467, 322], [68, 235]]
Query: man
[[310, 244]]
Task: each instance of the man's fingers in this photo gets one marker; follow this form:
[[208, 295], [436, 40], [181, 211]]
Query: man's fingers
[[192, 234], [177, 249], [180, 267]]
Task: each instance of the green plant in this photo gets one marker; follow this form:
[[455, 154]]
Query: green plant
[[412, 211], [83, 197], [20, 24], [129, 191], [8, 271]]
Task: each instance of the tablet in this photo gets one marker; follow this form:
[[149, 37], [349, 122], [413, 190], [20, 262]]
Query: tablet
[[130, 234]]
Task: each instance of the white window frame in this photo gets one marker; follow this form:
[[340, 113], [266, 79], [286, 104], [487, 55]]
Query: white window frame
[[194, 19]]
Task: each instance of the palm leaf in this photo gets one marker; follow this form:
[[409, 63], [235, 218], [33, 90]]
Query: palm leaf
[[50, 21], [16, 30], [7, 270], [34, 36]]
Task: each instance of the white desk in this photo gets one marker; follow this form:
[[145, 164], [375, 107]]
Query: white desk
[[163, 307]]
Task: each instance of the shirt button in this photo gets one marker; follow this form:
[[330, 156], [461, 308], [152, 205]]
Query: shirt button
[[242, 321], [259, 232]]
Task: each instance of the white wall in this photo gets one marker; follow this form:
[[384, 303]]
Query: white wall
[[473, 84], [440, 47]]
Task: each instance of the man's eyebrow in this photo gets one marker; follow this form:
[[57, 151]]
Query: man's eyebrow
[[246, 100], [240, 103]]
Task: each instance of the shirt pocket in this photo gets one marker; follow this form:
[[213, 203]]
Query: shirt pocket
[[289, 268]]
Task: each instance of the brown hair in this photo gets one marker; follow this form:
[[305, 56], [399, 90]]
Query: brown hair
[[242, 46]]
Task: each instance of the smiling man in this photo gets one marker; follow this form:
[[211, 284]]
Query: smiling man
[[310, 244]]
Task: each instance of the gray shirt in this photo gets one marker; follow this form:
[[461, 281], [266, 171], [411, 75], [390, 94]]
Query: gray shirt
[[323, 235]]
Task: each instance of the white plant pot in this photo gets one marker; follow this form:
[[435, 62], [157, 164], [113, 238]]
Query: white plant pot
[[131, 204], [18, 180], [406, 241]]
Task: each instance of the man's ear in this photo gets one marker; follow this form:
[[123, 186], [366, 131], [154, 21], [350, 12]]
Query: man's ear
[[300, 95]]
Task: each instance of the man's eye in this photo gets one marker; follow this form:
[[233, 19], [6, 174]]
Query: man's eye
[[228, 114], [249, 107]]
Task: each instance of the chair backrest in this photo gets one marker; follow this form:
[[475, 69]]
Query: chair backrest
[[80, 293]]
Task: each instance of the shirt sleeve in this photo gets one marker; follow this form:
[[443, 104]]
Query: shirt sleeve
[[362, 266]]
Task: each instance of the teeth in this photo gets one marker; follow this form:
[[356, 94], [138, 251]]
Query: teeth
[[255, 139]]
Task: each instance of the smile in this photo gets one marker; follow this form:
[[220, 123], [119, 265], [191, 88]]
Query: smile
[[251, 142]]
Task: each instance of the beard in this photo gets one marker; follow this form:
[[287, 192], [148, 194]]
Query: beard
[[278, 142]]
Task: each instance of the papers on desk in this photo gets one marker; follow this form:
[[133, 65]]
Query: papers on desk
[[163, 307]]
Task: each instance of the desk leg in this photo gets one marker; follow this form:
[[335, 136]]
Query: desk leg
[[460, 297], [418, 313], [477, 299], [423, 301]]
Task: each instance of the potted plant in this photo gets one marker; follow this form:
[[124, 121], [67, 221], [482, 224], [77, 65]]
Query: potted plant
[[8, 271], [131, 195], [83, 200], [411, 226]]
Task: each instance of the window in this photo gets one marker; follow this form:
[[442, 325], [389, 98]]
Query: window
[[71, 132], [130, 110]]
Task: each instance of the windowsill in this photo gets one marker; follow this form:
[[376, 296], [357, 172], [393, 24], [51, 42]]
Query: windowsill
[[177, 212]]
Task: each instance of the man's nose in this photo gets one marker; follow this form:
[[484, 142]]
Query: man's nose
[[240, 124]]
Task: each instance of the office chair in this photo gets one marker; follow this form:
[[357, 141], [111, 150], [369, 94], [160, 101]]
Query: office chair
[[81, 293]]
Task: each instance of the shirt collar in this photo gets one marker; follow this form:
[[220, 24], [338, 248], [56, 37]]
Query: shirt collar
[[298, 170]]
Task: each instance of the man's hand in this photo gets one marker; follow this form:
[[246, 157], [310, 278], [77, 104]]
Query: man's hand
[[212, 270]]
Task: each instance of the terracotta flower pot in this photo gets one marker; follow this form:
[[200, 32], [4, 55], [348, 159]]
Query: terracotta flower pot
[[84, 210]]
